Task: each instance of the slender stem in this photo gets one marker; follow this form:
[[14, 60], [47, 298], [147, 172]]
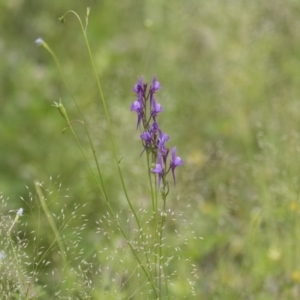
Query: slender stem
[[154, 189], [150, 182], [106, 115], [51, 222], [101, 185]]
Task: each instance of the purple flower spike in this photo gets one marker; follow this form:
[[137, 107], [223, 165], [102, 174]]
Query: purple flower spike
[[176, 161], [153, 139], [158, 169]]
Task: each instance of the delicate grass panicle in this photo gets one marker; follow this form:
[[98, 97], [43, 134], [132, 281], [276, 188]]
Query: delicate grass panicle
[[14, 278], [51, 258], [61, 266]]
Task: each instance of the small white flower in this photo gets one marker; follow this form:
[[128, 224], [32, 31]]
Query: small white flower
[[39, 41], [20, 212], [2, 255]]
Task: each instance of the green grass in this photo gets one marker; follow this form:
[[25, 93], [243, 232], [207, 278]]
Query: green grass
[[230, 73]]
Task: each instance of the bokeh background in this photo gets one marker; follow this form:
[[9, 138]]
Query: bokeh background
[[230, 72]]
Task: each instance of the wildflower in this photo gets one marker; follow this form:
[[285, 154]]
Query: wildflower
[[164, 153], [18, 215], [139, 87], [156, 108], [138, 108], [155, 85], [162, 139], [158, 169], [39, 41], [154, 128], [2, 255], [175, 161], [152, 137], [146, 137], [20, 212], [147, 140]]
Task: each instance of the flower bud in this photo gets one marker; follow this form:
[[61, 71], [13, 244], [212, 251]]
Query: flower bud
[[61, 110]]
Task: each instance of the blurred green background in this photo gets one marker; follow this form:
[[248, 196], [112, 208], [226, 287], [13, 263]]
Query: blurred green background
[[230, 72]]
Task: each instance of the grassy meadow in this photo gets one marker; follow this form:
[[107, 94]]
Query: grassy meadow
[[230, 76]]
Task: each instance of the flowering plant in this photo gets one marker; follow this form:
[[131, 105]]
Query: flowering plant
[[152, 137], [154, 140], [147, 244]]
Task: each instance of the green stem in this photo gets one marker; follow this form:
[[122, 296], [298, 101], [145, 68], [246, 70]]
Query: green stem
[[106, 115], [101, 184], [163, 219], [51, 222], [155, 213]]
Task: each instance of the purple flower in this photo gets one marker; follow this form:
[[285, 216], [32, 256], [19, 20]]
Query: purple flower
[[153, 88], [152, 137], [137, 106], [158, 169], [162, 139], [156, 108], [146, 136], [164, 153], [138, 88], [175, 161], [155, 85], [154, 128]]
